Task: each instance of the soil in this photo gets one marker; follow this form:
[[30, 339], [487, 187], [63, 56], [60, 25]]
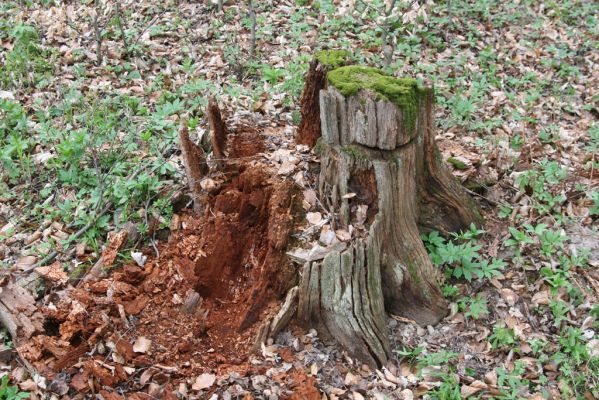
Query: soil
[[233, 256]]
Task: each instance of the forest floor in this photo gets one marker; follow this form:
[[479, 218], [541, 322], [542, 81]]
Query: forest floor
[[94, 216]]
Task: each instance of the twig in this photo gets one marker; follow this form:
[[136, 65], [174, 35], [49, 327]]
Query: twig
[[98, 33], [119, 15], [252, 15], [472, 192]]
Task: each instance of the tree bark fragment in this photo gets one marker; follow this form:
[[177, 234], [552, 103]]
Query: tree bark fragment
[[19, 313]]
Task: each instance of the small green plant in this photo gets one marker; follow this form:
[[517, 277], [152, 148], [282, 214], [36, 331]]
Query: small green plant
[[450, 291], [574, 346], [475, 307], [511, 384], [559, 310], [502, 337], [26, 61], [537, 345], [540, 181], [461, 256], [9, 392], [440, 358], [449, 389], [549, 241], [409, 354]]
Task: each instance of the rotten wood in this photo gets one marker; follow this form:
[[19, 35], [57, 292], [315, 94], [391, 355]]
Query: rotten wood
[[218, 131], [194, 161], [191, 302], [310, 127]]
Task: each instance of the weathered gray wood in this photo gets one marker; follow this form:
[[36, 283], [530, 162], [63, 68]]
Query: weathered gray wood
[[18, 313], [362, 120], [287, 311], [443, 204], [192, 301], [330, 132], [351, 312], [395, 171]]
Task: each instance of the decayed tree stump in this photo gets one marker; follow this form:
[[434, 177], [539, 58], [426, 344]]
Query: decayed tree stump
[[309, 128], [377, 150]]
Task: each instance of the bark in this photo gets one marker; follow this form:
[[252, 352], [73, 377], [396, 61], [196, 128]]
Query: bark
[[394, 168]]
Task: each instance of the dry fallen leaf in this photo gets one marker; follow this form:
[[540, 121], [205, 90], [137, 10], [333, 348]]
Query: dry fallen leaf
[[146, 376], [139, 258], [26, 261], [467, 391], [314, 217], [141, 345], [204, 381]]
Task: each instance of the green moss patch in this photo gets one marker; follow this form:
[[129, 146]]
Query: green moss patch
[[354, 152], [403, 92], [333, 58], [457, 163]]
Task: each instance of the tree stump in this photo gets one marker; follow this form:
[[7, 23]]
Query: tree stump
[[377, 150]]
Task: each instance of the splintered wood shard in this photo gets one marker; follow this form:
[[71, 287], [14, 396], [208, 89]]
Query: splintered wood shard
[[218, 130], [194, 161]]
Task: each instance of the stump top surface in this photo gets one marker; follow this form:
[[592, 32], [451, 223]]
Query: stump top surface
[[349, 80], [402, 92]]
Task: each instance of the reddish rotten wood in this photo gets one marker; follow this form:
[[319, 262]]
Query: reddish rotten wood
[[218, 130], [194, 161]]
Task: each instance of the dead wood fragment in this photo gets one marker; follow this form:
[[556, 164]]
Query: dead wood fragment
[[194, 161], [115, 243], [275, 324], [18, 313], [218, 130], [191, 303]]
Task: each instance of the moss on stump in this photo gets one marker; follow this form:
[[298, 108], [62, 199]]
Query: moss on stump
[[403, 92]]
